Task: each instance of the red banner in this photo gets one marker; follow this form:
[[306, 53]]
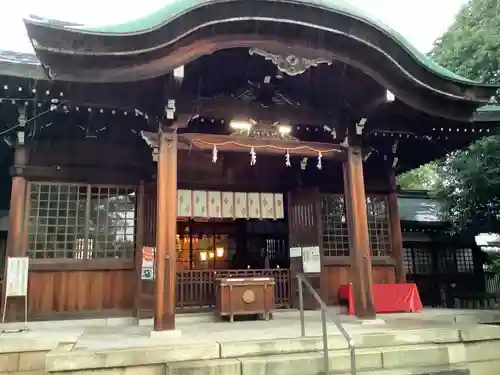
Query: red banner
[[388, 298]]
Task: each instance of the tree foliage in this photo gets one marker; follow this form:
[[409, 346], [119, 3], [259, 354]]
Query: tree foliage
[[469, 186], [468, 181], [423, 178], [471, 46]]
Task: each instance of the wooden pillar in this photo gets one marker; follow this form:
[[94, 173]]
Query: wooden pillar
[[16, 241], [304, 230], [139, 219], [359, 244], [395, 228], [166, 222]]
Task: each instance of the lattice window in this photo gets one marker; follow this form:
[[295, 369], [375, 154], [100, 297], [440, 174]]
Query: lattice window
[[465, 260], [81, 222], [335, 230], [112, 222], [423, 261], [408, 260], [447, 262], [378, 225]]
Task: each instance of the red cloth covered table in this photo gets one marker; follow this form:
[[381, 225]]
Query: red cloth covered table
[[388, 298]]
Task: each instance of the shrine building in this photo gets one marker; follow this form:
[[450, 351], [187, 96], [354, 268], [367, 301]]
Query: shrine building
[[222, 134]]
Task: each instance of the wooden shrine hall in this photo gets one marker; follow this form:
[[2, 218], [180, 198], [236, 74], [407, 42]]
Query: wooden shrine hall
[[204, 141]]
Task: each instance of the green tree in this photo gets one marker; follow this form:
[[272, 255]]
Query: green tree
[[471, 45], [469, 186], [469, 191], [471, 48], [468, 181], [422, 178]]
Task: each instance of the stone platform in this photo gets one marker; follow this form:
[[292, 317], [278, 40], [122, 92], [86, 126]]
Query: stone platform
[[428, 342]]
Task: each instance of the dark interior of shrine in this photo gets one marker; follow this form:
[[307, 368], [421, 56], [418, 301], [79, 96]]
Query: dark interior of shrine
[[232, 244]]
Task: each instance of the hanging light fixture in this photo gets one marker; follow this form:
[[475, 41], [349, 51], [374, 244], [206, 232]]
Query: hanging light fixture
[[284, 130], [241, 125]]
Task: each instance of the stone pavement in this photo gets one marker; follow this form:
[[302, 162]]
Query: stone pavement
[[116, 333], [441, 339]]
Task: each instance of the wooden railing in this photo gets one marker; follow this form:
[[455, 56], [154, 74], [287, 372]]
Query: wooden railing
[[480, 301], [196, 288]]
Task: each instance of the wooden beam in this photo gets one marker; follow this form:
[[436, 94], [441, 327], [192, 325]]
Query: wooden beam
[[84, 174], [267, 146], [359, 244], [166, 222], [236, 143], [395, 228], [229, 108]]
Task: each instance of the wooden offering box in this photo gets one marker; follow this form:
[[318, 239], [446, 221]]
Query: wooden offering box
[[245, 296]]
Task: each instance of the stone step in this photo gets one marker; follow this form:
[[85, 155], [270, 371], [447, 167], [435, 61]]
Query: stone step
[[340, 363], [412, 360], [437, 346], [232, 369], [374, 340]]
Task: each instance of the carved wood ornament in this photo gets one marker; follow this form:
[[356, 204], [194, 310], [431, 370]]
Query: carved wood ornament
[[290, 64]]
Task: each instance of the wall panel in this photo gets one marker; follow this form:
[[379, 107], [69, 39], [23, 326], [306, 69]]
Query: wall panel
[[80, 292]]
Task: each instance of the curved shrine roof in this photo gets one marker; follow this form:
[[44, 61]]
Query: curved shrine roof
[[178, 7], [59, 45]]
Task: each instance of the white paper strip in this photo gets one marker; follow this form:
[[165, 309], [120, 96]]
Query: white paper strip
[[184, 203], [253, 200], [200, 203], [240, 206], [279, 209], [267, 205], [227, 204], [214, 204]]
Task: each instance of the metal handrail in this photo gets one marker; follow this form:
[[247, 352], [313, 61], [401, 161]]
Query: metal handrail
[[302, 279]]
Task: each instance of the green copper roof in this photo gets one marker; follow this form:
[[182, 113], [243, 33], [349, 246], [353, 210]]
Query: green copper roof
[[178, 7]]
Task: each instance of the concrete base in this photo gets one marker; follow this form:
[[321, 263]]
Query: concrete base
[[165, 335]]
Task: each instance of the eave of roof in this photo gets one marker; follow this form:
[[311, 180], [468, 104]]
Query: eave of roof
[[177, 8], [23, 65], [487, 113]]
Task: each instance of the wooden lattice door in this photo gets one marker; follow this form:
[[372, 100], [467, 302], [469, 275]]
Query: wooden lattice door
[[304, 230]]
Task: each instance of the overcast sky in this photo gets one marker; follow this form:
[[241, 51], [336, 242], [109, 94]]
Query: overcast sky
[[420, 21]]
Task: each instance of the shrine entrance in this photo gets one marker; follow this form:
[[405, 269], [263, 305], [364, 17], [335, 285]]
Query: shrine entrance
[[228, 245], [313, 103]]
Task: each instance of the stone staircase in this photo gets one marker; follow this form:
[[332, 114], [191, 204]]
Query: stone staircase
[[473, 350]]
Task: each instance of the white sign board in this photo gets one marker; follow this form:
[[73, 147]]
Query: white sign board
[[17, 277], [295, 252], [311, 259], [148, 262]]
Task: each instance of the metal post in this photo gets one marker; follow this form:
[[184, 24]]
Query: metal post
[[325, 342], [302, 280], [301, 308], [352, 349]]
